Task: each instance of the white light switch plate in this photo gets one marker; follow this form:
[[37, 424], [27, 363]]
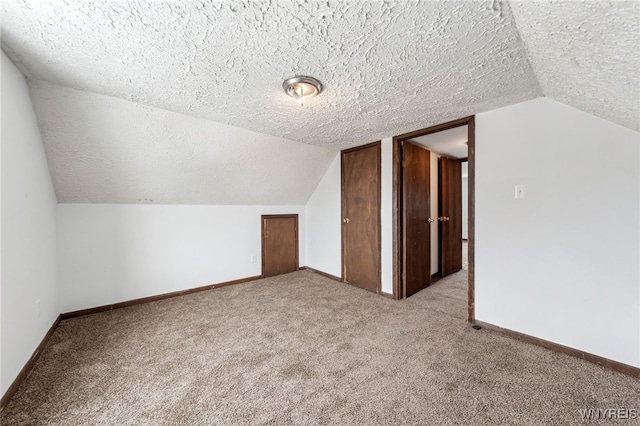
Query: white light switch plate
[[519, 191]]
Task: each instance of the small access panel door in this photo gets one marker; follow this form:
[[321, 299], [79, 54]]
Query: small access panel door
[[450, 215], [279, 244]]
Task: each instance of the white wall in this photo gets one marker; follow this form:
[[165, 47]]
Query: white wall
[[28, 229], [435, 226], [386, 216], [323, 224], [110, 253], [561, 264], [465, 207]]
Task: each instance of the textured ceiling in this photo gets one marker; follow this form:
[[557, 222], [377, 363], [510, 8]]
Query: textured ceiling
[[107, 150], [158, 80], [586, 54], [388, 66], [451, 142]]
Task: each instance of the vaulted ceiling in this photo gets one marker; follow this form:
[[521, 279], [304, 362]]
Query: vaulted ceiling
[[176, 101], [586, 54]]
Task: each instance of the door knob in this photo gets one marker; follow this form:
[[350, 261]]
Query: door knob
[[430, 220], [345, 220]]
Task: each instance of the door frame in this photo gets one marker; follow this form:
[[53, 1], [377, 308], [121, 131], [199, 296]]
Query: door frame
[[398, 213], [278, 216], [378, 196]]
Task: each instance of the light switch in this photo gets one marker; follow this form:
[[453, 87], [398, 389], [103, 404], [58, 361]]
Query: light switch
[[519, 191]]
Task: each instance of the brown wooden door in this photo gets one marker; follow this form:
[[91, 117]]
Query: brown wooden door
[[450, 215], [361, 217], [417, 210], [279, 244]]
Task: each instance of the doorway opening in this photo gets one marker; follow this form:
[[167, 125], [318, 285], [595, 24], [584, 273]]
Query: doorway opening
[[410, 214]]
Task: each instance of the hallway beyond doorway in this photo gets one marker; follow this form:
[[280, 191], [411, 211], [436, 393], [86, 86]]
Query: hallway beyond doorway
[[452, 290]]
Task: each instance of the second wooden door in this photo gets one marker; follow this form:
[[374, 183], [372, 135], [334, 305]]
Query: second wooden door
[[450, 215], [417, 226]]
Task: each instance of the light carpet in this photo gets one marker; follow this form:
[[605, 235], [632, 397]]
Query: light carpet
[[304, 349]]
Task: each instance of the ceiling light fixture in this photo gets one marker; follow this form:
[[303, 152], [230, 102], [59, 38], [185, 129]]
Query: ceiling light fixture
[[301, 87]]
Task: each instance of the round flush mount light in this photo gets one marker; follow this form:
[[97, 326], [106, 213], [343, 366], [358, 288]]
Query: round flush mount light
[[301, 87]]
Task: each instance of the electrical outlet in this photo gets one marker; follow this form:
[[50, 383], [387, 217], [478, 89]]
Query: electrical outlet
[[254, 258], [38, 308]]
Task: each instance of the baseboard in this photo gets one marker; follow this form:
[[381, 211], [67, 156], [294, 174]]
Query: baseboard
[[83, 312], [435, 278], [90, 311], [28, 366], [324, 274], [604, 362], [333, 277]]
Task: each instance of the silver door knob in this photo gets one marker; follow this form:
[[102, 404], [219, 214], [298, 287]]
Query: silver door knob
[[430, 220], [345, 220]]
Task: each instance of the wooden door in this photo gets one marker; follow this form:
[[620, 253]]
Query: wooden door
[[279, 244], [417, 211], [361, 216], [450, 215]]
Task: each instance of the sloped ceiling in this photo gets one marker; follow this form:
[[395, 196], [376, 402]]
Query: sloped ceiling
[[388, 67], [586, 54], [107, 150]]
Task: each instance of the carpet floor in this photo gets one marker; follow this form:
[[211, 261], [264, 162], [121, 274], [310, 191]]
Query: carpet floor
[[303, 349]]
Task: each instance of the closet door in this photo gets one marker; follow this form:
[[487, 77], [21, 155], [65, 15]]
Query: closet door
[[417, 222], [450, 215], [361, 216]]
